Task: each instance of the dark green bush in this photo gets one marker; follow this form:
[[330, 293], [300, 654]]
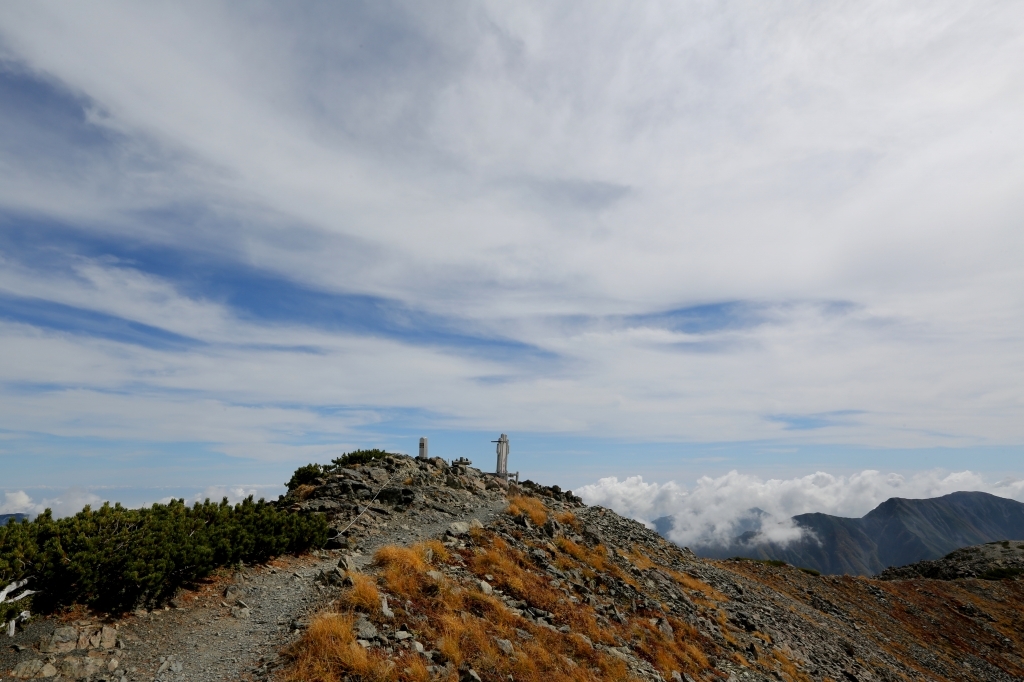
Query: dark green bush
[[304, 475], [115, 559], [359, 457], [1001, 573]]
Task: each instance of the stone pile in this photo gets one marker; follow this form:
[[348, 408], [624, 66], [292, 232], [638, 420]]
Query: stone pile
[[76, 652]]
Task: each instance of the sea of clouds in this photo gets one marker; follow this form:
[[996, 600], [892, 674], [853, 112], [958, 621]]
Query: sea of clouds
[[717, 510]]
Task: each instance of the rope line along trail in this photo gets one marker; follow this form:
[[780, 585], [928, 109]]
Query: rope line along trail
[[367, 508]]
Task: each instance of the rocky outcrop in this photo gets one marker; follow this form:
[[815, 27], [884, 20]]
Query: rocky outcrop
[[991, 561], [363, 501]]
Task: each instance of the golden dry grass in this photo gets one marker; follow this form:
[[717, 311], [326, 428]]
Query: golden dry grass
[[531, 506], [304, 491], [363, 595], [329, 648]]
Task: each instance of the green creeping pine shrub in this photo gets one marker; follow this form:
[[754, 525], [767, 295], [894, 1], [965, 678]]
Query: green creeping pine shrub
[[359, 457], [305, 474], [310, 472], [115, 559]]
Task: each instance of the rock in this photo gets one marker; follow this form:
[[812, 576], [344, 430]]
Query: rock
[[676, 677], [27, 669], [505, 646], [458, 528], [403, 635], [112, 665], [108, 637], [171, 663], [63, 640], [485, 587], [384, 609], [48, 670], [365, 629], [233, 593], [417, 646], [666, 628], [80, 667], [469, 675], [334, 577], [475, 523], [241, 612], [345, 563], [436, 576]]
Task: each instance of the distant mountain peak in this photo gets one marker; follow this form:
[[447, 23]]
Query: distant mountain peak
[[897, 532]]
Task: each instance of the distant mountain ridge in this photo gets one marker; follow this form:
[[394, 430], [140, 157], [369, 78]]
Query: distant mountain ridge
[[5, 517], [897, 532]]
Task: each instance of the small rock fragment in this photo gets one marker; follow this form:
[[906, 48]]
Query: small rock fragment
[[505, 646], [458, 528], [233, 593], [108, 637], [365, 629], [27, 669], [63, 640], [485, 587]]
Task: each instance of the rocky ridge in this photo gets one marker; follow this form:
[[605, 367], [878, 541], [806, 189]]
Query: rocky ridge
[[659, 612], [536, 579], [991, 561]]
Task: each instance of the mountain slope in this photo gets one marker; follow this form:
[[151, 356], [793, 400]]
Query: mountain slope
[[450, 574], [897, 532]]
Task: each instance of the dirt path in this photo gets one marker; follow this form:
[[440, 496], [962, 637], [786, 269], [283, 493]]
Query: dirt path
[[206, 638]]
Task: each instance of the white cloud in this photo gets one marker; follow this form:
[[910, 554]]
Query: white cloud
[[68, 503], [717, 510], [514, 164], [16, 502], [73, 500]]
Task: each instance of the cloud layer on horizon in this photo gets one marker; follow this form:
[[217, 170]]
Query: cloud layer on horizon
[[717, 510], [265, 229], [73, 500]]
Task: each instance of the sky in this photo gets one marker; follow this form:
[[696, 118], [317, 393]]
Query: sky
[[659, 243]]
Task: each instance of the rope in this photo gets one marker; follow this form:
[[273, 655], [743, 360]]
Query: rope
[[372, 500]]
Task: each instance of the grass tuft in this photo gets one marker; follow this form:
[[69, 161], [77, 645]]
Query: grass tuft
[[530, 506]]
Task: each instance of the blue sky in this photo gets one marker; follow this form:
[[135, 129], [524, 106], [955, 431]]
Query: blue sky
[[669, 241]]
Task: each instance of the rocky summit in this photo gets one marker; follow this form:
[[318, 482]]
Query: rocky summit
[[438, 571]]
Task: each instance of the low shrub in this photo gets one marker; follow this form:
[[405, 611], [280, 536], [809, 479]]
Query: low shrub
[[359, 457], [1001, 573], [305, 475], [115, 559]]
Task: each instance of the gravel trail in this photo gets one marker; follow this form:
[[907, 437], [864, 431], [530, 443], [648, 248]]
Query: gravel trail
[[207, 636]]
